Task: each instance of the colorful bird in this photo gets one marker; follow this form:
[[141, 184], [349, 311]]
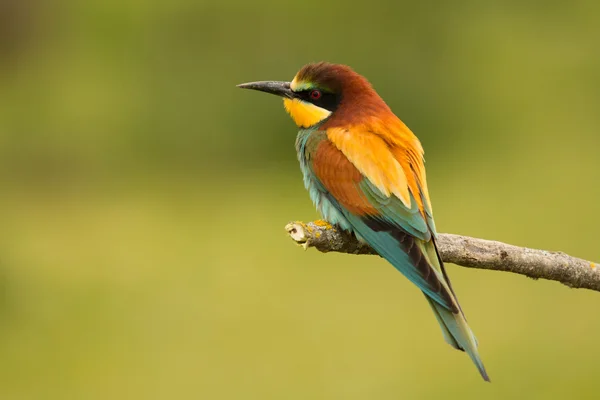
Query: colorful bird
[[365, 172]]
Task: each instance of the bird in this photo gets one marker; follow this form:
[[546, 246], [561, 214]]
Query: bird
[[364, 171]]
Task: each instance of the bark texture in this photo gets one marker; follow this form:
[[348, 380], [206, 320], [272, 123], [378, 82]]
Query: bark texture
[[467, 252]]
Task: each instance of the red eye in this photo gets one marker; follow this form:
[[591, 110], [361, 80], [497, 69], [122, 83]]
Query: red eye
[[315, 94]]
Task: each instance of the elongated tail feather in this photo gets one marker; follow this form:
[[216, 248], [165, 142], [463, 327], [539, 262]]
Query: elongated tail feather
[[457, 333]]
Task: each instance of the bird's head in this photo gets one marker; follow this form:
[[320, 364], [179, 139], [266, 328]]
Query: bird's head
[[318, 91]]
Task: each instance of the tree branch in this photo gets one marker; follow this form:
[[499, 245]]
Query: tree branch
[[467, 252]]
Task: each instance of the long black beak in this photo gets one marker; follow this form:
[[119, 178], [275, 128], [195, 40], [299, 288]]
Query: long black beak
[[279, 88]]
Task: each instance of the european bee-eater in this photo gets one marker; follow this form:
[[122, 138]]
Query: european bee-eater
[[364, 170]]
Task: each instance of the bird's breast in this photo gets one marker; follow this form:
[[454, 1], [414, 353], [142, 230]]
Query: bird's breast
[[306, 143]]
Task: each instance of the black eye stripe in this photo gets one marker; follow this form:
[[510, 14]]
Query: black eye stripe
[[326, 100]]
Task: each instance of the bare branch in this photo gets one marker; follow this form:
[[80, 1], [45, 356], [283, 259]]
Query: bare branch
[[467, 252]]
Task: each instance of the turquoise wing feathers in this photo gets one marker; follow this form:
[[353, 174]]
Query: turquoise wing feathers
[[392, 229]]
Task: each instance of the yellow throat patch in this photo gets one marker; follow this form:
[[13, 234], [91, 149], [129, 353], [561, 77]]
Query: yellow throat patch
[[305, 114]]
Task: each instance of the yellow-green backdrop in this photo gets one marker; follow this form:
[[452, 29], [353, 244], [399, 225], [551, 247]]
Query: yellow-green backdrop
[[143, 199]]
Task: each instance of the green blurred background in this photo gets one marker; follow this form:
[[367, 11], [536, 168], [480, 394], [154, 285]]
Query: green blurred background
[[143, 199]]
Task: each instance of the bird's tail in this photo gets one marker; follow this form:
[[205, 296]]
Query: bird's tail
[[457, 333]]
